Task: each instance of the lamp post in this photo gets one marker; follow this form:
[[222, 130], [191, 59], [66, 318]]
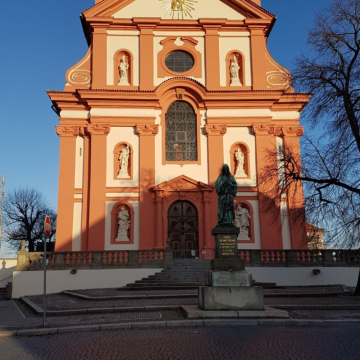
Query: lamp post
[[2, 205]]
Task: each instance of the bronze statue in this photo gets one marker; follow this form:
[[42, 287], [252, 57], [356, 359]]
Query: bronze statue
[[226, 188]]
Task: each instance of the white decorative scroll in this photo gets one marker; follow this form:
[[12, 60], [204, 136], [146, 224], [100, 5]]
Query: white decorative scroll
[[124, 162], [240, 158], [234, 73], [242, 221], [123, 68], [124, 225]]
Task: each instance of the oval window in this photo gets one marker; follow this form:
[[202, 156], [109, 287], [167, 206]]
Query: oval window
[[179, 61]]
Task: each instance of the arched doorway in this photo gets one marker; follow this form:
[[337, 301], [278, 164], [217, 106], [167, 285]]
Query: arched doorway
[[183, 228]]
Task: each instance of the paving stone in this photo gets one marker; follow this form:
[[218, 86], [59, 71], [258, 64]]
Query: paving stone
[[275, 322], [230, 322], [7, 333], [185, 323], [148, 324], [115, 326], [37, 332], [67, 329]]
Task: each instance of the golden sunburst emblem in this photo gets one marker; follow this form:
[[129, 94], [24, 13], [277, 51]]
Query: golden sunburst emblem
[[178, 9]]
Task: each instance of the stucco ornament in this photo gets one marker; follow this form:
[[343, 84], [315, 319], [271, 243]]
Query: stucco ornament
[[240, 158], [178, 9], [124, 225], [226, 188], [234, 72], [242, 221], [124, 162], [123, 68]]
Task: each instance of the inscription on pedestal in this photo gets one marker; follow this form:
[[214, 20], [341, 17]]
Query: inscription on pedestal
[[227, 246]]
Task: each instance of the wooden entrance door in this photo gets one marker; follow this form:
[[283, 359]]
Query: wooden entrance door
[[183, 227]]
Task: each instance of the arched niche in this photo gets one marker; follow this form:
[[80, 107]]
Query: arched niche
[[244, 208], [233, 162], [241, 62], [117, 59], [117, 151], [114, 222]]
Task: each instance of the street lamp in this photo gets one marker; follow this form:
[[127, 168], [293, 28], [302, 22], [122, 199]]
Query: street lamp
[[2, 205]]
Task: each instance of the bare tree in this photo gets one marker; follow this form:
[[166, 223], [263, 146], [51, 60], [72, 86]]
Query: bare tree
[[24, 215], [330, 167]]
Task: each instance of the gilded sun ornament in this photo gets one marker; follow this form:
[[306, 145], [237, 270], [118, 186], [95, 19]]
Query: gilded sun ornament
[[178, 9]]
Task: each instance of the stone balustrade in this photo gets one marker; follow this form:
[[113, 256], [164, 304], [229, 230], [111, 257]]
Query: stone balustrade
[[159, 258], [93, 259], [293, 258]]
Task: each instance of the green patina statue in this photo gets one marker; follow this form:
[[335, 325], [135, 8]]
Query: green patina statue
[[226, 188]]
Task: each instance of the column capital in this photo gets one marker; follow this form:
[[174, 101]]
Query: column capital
[[268, 130], [215, 129], [293, 131], [148, 130], [67, 131], [98, 129]]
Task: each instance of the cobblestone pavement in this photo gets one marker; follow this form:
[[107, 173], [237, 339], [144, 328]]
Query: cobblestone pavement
[[222, 343]]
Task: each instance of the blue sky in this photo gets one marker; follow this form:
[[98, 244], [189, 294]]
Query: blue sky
[[40, 40]]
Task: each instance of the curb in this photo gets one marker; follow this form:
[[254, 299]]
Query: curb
[[128, 297], [39, 311], [176, 323]]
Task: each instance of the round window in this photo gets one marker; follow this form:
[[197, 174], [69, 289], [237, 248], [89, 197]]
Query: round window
[[179, 61]]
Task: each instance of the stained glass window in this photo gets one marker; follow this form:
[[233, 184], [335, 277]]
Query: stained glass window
[[180, 132], [179, 61]]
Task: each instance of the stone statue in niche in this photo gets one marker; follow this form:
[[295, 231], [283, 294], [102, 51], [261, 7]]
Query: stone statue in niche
[[124, 225], [123, 68], [124, 162], [234, 72], [242, 221], [240, 159]]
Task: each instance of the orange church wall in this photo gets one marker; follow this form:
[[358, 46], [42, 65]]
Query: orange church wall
[[66, 187], [109, 109]]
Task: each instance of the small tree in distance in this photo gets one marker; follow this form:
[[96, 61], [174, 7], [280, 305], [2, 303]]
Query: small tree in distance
[[24, 215]]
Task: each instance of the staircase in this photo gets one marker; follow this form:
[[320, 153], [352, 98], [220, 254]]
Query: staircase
[[3, 293], [182, 273]]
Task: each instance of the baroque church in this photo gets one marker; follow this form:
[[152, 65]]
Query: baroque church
[[168, 92]]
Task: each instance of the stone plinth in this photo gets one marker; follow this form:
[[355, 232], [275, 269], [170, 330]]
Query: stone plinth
[[225, 241], [229, 286], [231, 298], [228, 278]]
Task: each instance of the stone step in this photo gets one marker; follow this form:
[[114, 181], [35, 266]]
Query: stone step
[[2, 293], [165, 283]]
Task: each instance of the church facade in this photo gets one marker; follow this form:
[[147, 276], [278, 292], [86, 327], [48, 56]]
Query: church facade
[[168, 92]]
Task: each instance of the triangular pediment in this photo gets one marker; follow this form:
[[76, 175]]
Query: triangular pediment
[[181, 9], [182, 183]]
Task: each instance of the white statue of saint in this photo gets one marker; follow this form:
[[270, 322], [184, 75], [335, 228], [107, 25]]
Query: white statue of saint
[[124, 225], [123, 68], [242, 221], [234, 73], [240, 158], [124, 162]]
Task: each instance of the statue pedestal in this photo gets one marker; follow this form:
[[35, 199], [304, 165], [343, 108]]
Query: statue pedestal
[[228, 285]]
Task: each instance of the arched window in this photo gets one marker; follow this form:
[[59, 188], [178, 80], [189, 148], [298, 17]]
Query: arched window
[[180, 132]]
